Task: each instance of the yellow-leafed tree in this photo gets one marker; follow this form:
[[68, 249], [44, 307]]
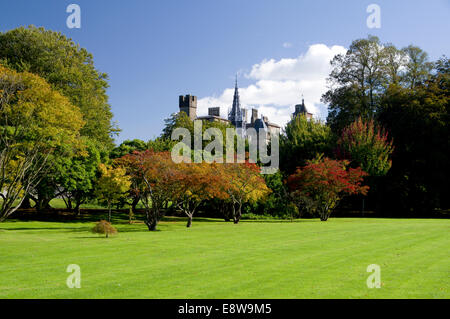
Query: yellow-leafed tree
[[112, 185], [34, 121]]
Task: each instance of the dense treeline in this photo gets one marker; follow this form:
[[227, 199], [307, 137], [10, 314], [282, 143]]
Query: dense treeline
[[385, 146]]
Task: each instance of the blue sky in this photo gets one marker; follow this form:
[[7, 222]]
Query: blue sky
[[154, 51]]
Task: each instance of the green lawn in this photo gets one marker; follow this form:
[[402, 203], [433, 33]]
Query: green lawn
[[214, 259]]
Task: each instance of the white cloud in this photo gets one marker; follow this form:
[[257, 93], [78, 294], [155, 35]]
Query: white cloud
[[279, 84], [287, 45]]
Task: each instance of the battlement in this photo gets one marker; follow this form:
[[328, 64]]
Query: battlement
[[188, 105]]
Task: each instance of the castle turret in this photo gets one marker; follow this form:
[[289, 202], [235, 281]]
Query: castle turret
[[188, 105], [301, 109]]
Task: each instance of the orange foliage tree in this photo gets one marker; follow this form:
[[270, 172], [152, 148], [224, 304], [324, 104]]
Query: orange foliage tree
[[242, 183], [195, 183], [152, 175]]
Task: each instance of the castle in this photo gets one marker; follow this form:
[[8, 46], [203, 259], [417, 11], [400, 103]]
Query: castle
[[237, 116], [301, 109]]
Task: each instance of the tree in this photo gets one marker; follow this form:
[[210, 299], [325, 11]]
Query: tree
[[417, 66], [112, 185], [418, 121], [366, 145], [34, 121], [278, 203], [152, 175], [195, 183], [242, 183], [77, 176], [395, 61], [181, 120], [160, 144], [325, 182], [357, 79], [69, 70], [104, 227], [128, 147], [303, 140], [176, 120]]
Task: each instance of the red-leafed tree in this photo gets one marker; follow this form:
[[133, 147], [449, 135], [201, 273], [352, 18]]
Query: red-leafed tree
[[152, 175], [325, 182], [366, 145]]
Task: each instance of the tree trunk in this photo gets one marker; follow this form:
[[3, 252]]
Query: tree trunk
[[134, 204], [189, 223], [26, 203], [77, 209], [324, 214], [151, 225], [238, 215], [109, 211], [150, 221], [130, 215]]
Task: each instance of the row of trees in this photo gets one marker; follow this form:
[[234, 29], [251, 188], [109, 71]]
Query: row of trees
[[402, 91], [154, 179], [388, 95], [57, 140], [55, 120]]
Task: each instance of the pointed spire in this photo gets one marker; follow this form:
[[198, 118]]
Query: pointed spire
[[236, 115]]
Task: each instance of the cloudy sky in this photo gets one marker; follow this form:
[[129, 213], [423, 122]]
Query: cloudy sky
[[277, 85], [154, 51]]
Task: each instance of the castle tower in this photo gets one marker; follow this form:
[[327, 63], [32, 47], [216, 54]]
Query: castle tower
[[236, 115], [254, 116], [188, 105], [301, 109]]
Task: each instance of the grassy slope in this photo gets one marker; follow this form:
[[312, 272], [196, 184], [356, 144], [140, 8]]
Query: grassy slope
[[213, 259]]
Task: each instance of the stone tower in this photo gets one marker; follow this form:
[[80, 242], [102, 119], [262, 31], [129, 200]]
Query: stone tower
[[301, 109], [188, 105]]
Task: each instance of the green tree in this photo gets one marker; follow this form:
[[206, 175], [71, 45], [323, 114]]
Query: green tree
[[128, 147], [417, 66], [303, 140], [181, 120], [160, 144], [77, 177], [356, 80], [34, 121], [70, 70], [418, 121]]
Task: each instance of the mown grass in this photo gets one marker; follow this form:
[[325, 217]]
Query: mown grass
[[214, 259]]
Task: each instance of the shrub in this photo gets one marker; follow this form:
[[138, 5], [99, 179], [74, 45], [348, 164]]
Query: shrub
[[104, 227]]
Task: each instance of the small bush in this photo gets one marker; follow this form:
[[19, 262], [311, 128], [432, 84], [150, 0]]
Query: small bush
[[104, 227]]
